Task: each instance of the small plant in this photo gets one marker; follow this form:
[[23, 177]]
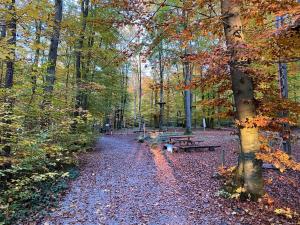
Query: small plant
[[286, 212]]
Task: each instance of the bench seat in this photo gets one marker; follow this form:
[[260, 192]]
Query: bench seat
[[209, 147]]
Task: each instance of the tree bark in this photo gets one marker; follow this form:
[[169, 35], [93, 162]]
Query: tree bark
[[283, 86], [12, 28], [81, 98], [52, 57], [187, 96], [8, 100], [124, 101], [134, 102], [250, 171], [161, 86], [38, 30], [3, 28], [2, 35], [140, 93], [187, 81]]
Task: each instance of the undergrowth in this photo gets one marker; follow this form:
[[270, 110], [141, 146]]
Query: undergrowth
[[39, 168]]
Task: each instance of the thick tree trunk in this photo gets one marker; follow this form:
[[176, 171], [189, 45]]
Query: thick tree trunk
[[250, 171], [52, 57]]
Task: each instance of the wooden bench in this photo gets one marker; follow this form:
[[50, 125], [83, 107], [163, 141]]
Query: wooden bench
[[187, 142], [180, 138], [196, 142], [190, 147]]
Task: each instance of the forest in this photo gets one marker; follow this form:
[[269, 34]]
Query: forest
[[150, 112]]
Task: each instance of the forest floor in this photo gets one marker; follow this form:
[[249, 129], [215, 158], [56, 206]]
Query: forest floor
[[125, 182]]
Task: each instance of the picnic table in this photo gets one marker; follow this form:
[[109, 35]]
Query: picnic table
[[187, 143], [181, 138], [184, 140], [196, 147]]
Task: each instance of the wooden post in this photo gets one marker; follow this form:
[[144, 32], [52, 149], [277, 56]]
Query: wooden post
[[222, 158]]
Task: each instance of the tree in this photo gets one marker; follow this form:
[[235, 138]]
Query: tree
[[187, 73], [249, 169], [283, 92], [52, 56], [161, 87], [12, 27], [81, 98]]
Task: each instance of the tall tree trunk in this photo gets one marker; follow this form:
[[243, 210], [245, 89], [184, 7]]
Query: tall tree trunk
[[124, 101], [38, 32], [81, 98], [156, 120], [168, 101], [3, 28], [140, 93], [12, 28], [151, 107], [134, 102], [49, 79], [250, 171], [161, 86], [187, 81], [52, 57], [2, 35], [6, 117], [187, 95], [34, 71], [283, 86]]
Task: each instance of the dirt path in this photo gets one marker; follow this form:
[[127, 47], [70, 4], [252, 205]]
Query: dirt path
[[123, 182]]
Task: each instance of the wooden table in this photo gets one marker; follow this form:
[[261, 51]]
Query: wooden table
[[181, 137]]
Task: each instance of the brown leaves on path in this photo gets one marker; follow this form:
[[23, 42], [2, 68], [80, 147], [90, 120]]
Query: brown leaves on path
[[124, 182]]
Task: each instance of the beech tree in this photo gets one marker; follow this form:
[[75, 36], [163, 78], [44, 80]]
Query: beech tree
[[52, 56], [249, 170]]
